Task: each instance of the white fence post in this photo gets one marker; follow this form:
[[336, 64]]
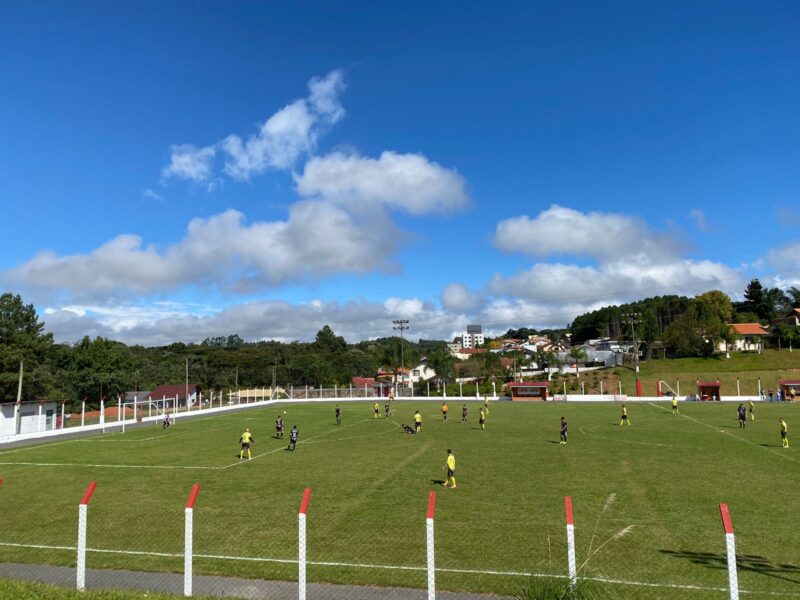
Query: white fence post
[[188, 534], [571, 564], [82, 516], [301, 545], [83, 413], [730, 543], [430, 544]]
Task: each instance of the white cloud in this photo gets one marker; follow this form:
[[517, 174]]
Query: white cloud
[[619, 281], [189, 162], [317, 239], [699, 218], [565, 231], [396, 181], [152, 195], [253, 321], [289, 133], [457, 297]]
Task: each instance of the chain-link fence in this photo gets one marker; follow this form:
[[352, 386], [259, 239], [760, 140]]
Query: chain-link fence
[[176, 546]]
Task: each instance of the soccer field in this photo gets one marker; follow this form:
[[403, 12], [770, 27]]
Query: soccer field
[[655, 486]]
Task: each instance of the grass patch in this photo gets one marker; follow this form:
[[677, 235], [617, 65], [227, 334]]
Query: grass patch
[[370, 483]]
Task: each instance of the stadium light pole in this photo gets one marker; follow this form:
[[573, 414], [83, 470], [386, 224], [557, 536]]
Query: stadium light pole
[[633, 319], [401, 325]]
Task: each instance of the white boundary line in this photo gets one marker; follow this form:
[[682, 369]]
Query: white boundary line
[[647, 584], [736, 437]]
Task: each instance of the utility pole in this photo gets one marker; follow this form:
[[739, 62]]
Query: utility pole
[[187, 383], [401, 325], [633, 319]]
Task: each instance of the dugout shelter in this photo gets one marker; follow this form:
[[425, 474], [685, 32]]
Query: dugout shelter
[[528, 390], [709, 390], [790, 389]]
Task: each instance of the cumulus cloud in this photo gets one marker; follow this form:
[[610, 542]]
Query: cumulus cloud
[[408, 182], [316, 240], [565, 231], [618, 281], [288, 133], [189, 162], [785, 259], [458, 298], [267, 320]]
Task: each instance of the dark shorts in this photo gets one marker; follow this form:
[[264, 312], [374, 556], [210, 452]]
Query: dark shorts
[[279, 429], [783, 435], [245, 446], [563, 434], [481, 421], [451, 473], [624, 417], [417, 426]]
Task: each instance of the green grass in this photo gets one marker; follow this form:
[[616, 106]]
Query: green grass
[[370, 485]]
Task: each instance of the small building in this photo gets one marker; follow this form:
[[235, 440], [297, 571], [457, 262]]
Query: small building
[[33, 418], [708, 390], [790, 388], [373, 387], [422, 373], [175, 393], [749, 338], [528, 390], [792, 319]]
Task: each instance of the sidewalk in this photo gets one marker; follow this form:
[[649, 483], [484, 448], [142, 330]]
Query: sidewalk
[[220, 587]]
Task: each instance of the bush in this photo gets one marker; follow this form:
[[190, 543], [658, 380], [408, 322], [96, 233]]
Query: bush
[[550, 588]]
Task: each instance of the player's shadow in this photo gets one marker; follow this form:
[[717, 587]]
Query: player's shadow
[[553, 442], [744, 562], [437, 481]]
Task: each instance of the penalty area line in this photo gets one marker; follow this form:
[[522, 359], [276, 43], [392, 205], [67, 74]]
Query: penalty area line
[[646, 584]]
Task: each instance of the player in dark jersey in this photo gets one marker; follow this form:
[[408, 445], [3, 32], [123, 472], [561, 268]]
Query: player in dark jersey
[[563, 431], [464, 414], [279, 428], [408, 429], [387, 409], [338, 415], [293, 435], [742, 416]]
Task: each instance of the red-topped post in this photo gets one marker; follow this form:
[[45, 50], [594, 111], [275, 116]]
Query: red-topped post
[[188, 539], [730, 543], [431, 555], [82, 517], [571, 563], [301, 545]]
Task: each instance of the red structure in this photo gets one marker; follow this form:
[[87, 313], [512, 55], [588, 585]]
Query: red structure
[[790, 389], [708, 390], [529, 390]]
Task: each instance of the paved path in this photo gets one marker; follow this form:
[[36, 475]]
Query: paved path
[[221, 587]]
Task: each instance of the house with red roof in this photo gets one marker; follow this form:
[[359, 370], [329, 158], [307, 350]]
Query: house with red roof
[[748, 337]]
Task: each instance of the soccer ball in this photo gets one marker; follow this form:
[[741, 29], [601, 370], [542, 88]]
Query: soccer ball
[[284, 412]]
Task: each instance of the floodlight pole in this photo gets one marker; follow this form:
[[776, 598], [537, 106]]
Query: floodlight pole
[[401, 325], [633, 318]]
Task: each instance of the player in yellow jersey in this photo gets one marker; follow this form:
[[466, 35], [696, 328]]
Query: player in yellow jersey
[[245, 440], [450, 465], [482, 418], [624, 419], [417, 421], [752, 408], [486, 404], [675, 410], [784, 433], [376, 411]]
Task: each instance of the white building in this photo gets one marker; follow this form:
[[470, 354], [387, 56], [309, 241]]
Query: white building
[[472, 337], [33, 417]]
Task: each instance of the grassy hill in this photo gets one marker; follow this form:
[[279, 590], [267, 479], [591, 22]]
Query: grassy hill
[[747, 367]]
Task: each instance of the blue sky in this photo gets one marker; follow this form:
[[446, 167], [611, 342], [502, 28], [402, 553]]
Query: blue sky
[[183, 170]]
